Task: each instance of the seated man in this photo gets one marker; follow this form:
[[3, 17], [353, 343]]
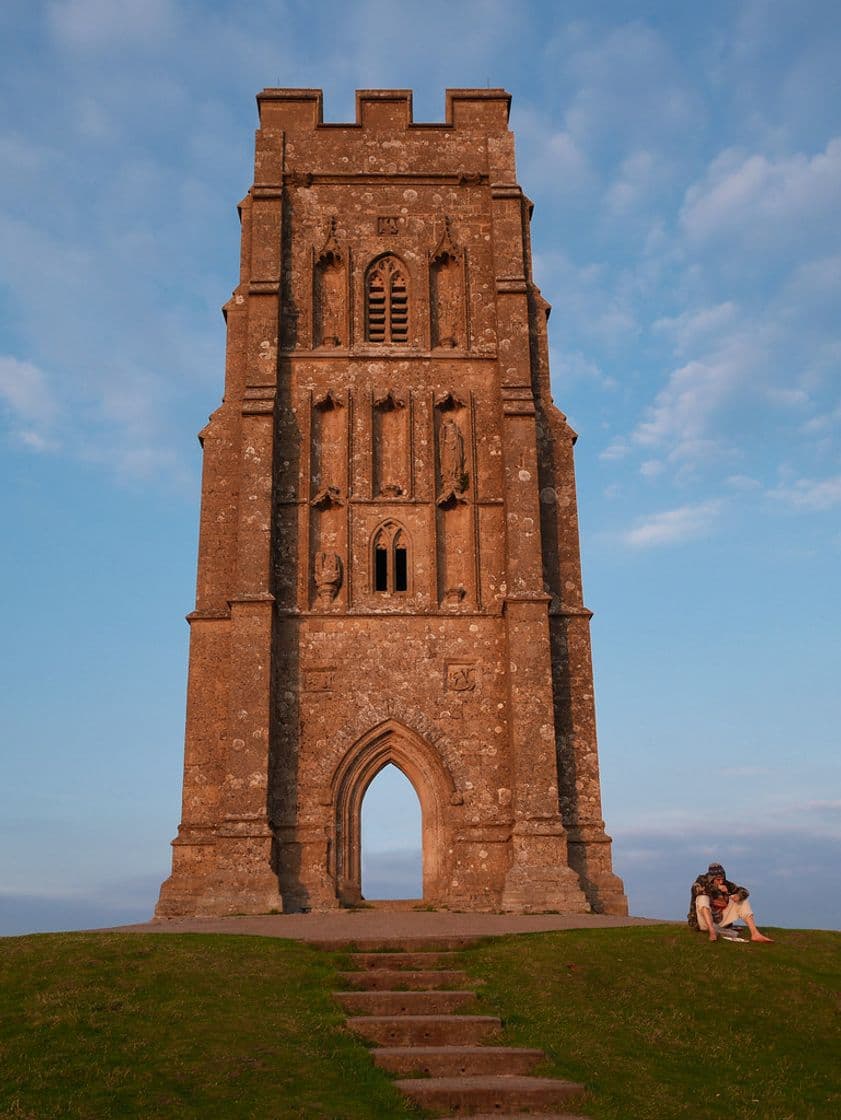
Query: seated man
[[717, 903]]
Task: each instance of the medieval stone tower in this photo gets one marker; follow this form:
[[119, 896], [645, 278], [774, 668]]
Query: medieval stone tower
[[388, 559]]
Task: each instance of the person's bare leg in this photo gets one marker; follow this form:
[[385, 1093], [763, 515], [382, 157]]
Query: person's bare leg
[[755, 935], [705, 918]]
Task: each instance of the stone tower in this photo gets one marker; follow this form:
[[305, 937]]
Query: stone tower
[[388, 558]]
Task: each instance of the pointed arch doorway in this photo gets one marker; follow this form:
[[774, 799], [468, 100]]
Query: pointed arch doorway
[[391, 854], [391, 743]]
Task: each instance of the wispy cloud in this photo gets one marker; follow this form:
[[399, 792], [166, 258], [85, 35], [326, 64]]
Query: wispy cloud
[[30, 403], [630, 84], [809, 495], [101, 24], [697, 326], [680, 417], [674, 526], [765, 202]]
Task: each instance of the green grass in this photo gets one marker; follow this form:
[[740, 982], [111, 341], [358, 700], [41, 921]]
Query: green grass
[[654, 1020], [658, 1023], [100, 1026]]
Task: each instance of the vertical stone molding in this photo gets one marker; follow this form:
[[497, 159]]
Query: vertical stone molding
[[388, 568]]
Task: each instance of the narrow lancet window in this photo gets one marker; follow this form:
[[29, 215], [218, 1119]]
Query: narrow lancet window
[[390, 560], [387, 302]]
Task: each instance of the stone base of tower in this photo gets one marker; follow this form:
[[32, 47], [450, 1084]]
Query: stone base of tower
[[539, 878], [589, 854], [302, 866], [215, 875]]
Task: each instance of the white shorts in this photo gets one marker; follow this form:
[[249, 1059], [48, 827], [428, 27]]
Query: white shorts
[[731, 913]]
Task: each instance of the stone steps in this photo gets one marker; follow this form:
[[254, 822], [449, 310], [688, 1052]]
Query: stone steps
[[399, 979], [397, 945], [426, 1030], [405, 1003], [498, 1095], [455, 1061], [518, 1116], [397, 962]]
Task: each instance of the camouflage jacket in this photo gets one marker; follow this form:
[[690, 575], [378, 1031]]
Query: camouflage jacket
[[718, 896]]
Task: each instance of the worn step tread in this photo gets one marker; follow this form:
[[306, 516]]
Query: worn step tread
[[404, 1003], [519, 1116], [458, 1061], [469, 1094], [396, 979], [396, 961], [396, 944], [425, 1030]]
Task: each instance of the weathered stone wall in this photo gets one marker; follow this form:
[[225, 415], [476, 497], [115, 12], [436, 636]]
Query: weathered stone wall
[[388, 558]]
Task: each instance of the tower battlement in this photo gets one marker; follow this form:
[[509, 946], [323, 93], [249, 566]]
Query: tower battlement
[[376, 109]]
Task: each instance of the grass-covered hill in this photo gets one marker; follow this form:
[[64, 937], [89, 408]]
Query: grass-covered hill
[[655, 1020]]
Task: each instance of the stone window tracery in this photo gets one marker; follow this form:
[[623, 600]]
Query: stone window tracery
[[387, 301], [390, 571]]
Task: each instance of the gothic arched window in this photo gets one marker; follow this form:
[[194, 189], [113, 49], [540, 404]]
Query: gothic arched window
[[387, 301], [390, 559]]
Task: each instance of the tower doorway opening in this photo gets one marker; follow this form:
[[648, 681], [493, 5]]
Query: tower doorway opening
[[392, 850]]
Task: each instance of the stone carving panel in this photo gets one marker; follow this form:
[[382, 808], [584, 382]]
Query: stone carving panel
[[391, 445], [330, 293], [451, 465], [461, 676], [328, 577], [446, 283]]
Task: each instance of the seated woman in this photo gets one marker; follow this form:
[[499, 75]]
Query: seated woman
[[717, 903]]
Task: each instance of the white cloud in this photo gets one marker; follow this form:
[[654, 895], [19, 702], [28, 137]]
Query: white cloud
[[787, 398], [616, 449], [98, 24], [743, 482], [681, 412], [745, 771], [640, 178], [809, 495], [629, 83], [822, 806], [698, 326], [651, 468], [764, 201], [25, 390], [823, 421], [550, 157], [569, 366], [589, 300], [674, 526]]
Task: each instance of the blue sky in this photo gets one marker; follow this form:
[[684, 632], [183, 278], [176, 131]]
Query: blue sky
[[685, 163]]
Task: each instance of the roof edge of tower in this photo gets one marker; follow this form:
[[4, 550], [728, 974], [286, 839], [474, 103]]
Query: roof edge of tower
[[384, 108]]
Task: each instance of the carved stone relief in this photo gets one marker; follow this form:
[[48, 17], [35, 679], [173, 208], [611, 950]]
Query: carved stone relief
[[330, 292], [447, 291], [461, 676], [318, 678], [448, 402], [327, 401], [326, 497], [451, 463], [328, 576], [388, 401], [391, 439], [453, 596]]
